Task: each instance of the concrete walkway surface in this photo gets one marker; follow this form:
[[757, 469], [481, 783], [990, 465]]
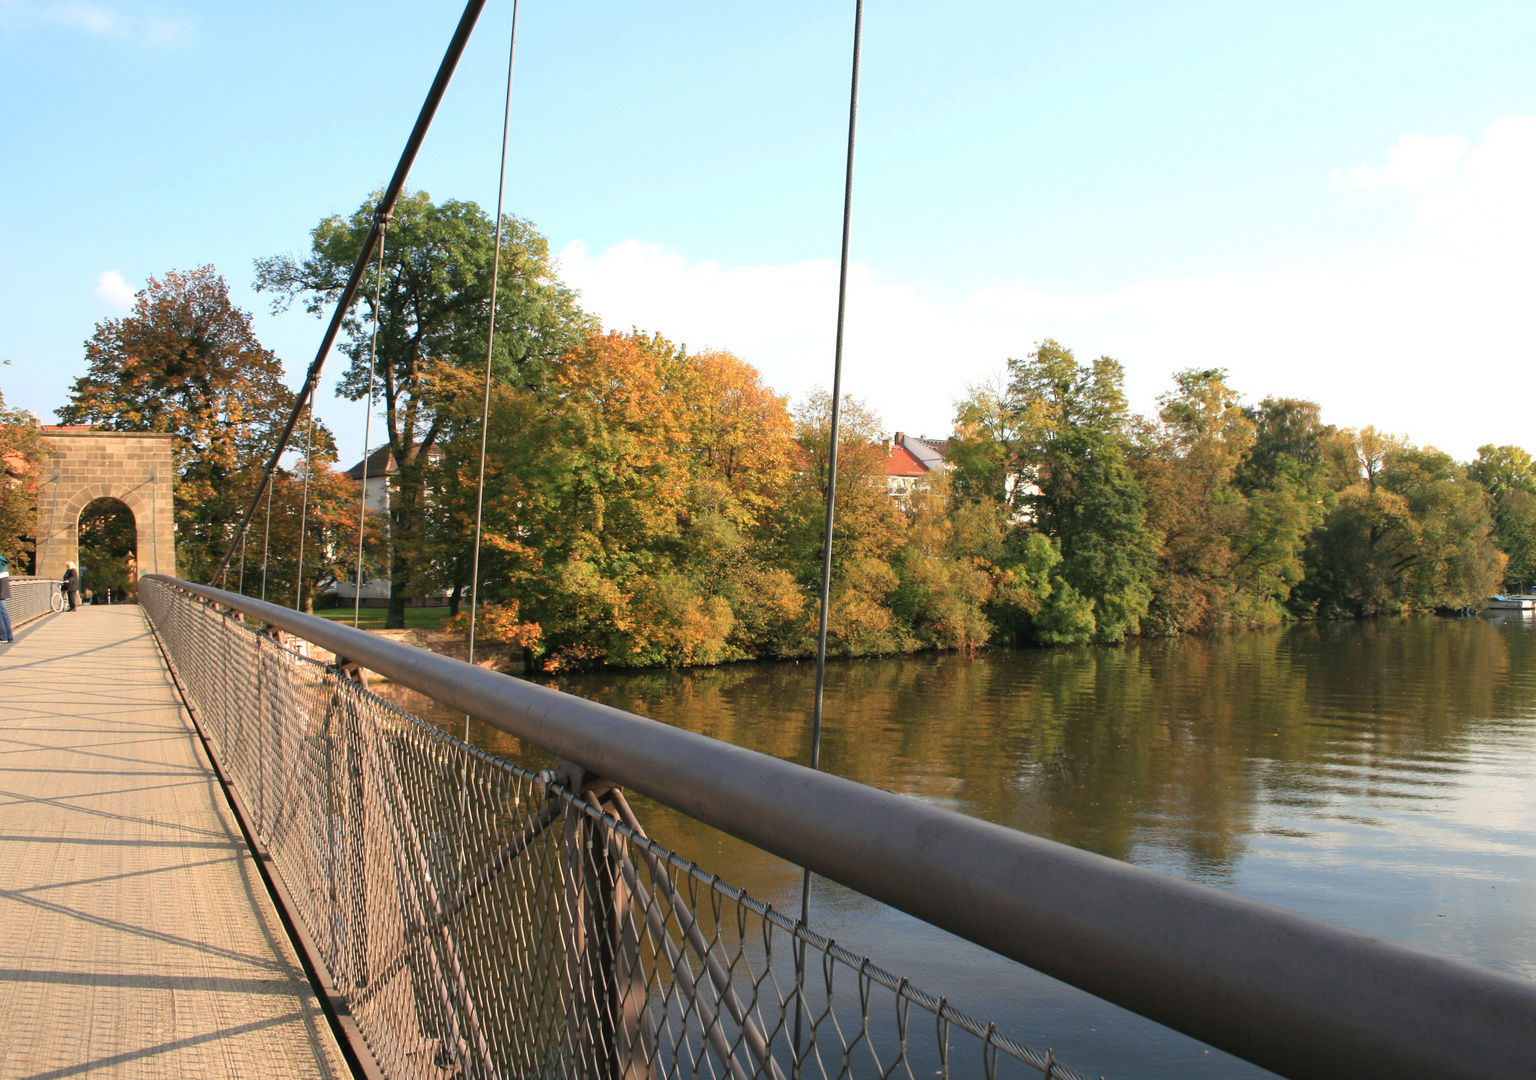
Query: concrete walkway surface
[[136, 937]]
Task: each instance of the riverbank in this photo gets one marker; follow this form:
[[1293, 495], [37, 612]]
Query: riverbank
[[514, 660]]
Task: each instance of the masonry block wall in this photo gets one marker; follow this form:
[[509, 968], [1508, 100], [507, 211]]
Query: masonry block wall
[[84, 465]]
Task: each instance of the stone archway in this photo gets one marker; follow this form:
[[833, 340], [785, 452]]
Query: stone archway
[[135, 468], [109, 549]]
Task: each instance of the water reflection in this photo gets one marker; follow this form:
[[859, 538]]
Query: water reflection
[[1377, 774]]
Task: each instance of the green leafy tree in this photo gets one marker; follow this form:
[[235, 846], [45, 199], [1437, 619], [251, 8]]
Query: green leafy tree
[[1412, 531], [187, 362], [108, 548], [1076, 484], [1290, 445], [1187, 464], [987, 446], [1508, 475], [1457, 561], [432, 325]]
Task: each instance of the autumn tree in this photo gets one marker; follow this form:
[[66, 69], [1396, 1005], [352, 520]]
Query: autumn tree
[[21, 455], [186, 361], [325, 508], [625, 500], [949, 567], [1232, 494], [432, 324], [1410, 530], [868, 527]]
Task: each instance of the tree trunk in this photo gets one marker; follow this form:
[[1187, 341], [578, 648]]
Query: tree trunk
[[454, 599], [395, 619], [404, 513]]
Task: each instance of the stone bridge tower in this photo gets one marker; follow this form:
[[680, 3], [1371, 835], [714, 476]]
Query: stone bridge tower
[[83, 465]]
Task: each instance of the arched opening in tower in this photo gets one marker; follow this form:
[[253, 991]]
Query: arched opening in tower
[[109, 543]]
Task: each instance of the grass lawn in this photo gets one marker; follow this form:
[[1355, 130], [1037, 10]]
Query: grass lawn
[[372, 618]]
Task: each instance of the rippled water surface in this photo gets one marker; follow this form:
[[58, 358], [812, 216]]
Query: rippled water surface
[[1376, 774]]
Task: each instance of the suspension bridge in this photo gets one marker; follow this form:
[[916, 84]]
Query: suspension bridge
[[224, 856]]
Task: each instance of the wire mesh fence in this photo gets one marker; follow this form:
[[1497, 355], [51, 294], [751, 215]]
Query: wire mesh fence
[[31, 598], [482, 920]]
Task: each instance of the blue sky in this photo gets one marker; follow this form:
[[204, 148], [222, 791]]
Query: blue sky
[[1332, 200]]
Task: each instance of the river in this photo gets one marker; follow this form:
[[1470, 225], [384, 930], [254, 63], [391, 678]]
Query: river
[[1380, 774]]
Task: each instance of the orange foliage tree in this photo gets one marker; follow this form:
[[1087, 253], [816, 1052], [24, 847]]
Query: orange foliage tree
[[624, 501], [21, 453], [187, 362]]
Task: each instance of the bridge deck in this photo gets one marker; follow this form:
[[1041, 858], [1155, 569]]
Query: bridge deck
[[136, 938]]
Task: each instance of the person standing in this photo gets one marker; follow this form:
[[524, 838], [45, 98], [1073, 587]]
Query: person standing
[[5, 594], [71, 585]]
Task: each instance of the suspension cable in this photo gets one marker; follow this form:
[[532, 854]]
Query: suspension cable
[[837, 402], [309, 467], [266, 543], [362, 498], [490, 349], [826, 536], [364, 256]]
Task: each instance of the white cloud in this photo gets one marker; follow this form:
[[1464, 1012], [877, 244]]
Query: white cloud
[[112, 291], [1416, 162], [1434, 338], [97, 20]]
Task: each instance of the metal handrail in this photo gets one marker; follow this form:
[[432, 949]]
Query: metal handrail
[[1294, 994], [31, 598]]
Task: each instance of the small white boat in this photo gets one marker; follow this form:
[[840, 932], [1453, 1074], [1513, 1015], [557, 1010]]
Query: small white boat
[[1512, 603]]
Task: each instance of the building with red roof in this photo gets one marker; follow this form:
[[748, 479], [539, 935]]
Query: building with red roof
[[911, 462]]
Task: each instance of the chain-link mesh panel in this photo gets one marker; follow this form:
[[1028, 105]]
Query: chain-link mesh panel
[[32, 597], [485, 921]]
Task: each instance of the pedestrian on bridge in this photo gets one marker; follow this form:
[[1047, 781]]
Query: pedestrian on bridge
[[71, 585], [5, 594]]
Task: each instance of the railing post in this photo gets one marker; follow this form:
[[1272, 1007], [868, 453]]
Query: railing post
[[346, 814], [603, 981]]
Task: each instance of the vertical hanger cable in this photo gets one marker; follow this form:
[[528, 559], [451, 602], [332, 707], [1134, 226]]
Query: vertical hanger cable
[[266, 543], [309, 467], [490, 350], [826, 536], [837, 402], [362, 499]]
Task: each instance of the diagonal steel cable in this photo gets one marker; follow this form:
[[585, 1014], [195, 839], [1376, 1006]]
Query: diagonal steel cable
[[386, 207]]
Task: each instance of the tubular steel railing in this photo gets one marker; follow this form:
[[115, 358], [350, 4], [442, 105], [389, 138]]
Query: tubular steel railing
[[475, 919], [32, 598], [481, 920]]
